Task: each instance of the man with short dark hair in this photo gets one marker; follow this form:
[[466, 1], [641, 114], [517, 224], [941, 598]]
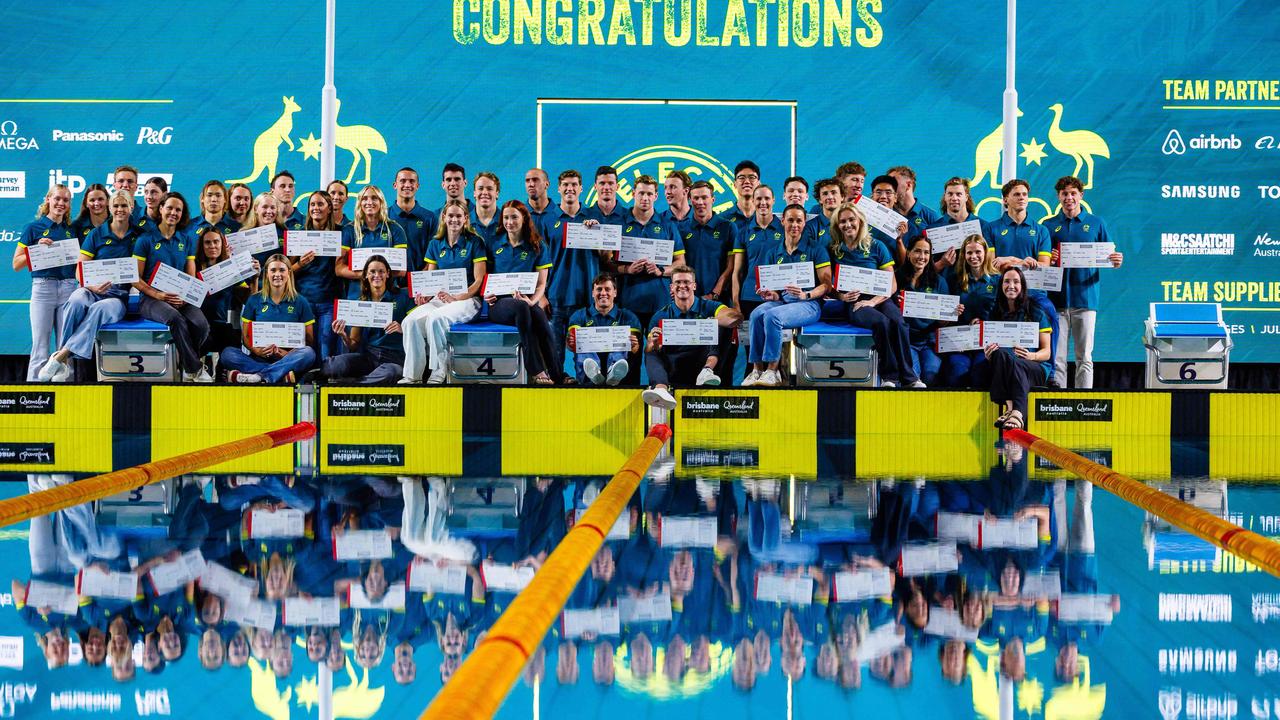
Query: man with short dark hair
[[746, 178], [918, 215], [684, 364], [884, 190], [675, 188], [569, 287], [602, 312], [1078, 301], [851, 176], [607, 210], [283, 188], [419, 224], [453, 180], [536, 184], [830, 194]]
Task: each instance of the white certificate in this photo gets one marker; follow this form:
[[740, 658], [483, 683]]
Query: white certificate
[[280, 334], [308, 612], [863, 280], [393, 600], [1085, 255], [688, 531], [689, 332], [324, 243], [505, 578], [59, 254], [1009, 533], [166, 278], [1011, 334], [928, 558], [884, 219], [170, 576], [946, 237], [1045, 277], [426, 283], [362, 545], [778, 277], [425, 576], [397, 258], [229, 272], [363, 313], [283, 523], [62, 599], [621, 529], [599, 621], [881, 641], [957, 338], [797, 590], [226, 583], [601, 237], [1085, 608], [659, 250], [946, 623], [603, 338], [651, 608], [500, 284], [960, 527], [254, 613], [94, 582], [1042, 585], [930, 306], [863, 584], [116, 271], [254, 240]]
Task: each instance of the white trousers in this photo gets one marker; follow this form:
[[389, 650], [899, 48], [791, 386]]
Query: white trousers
[[1076, 324], [426, 331]]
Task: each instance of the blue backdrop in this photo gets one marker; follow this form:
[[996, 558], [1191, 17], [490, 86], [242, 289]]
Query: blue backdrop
[[1173, 145]]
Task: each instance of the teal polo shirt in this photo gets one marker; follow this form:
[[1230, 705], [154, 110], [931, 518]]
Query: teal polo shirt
[[154, 249], [646, 293], [507, 258], [1080, 286], [707, 247], [1024, 239], [45, 227], [419, 225], [465, 253], [754, 243]]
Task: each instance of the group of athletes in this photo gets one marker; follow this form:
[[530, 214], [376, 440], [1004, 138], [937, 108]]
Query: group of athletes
[[711, 275]]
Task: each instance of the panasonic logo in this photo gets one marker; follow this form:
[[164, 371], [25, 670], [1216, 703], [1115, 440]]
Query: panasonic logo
[[1200, 192], [111, 136]]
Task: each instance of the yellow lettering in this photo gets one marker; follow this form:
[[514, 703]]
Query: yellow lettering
[[705, 40], [621, 24], [559, 29], [807, 31], [1183, 291], [528, 21], [590, 15], [465, 32], [784, 23], [762, 21], [837, 21], [677, 36], [735, 25], [874, 32], [496, 33], [646, 22]]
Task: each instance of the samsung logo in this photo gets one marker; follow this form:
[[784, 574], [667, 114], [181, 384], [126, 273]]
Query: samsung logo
[[1200, 192]]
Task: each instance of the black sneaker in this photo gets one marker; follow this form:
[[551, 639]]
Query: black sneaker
[[313, 376]]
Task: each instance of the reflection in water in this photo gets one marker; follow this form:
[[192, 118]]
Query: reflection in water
[[716, 584]]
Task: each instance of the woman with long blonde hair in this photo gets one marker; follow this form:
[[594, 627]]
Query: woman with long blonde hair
[[51, 288], [277, 302], [372, 228]]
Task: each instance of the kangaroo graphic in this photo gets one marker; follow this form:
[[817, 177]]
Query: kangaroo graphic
[[266, 149], [359, 140], [986, 158]]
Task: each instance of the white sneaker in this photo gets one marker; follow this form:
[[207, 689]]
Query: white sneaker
[[770, 378], [659, 398], [708, 377], [63, 374], [752, 378], [919, 384], [437, 377], [591, 368], [49, 370], [888, 384], [617, 372], [408, 381], [200, 377], [236, 376]]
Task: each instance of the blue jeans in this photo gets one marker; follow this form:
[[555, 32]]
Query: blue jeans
[[48, 300], [605, 360], [325, 339], [297, 361], [924, 361], [83, 314], [768, 322], [889, 334]]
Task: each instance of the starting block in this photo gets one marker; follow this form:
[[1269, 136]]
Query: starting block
[[1188, 346]]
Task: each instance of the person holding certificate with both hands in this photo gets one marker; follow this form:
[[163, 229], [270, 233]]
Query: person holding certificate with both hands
[[1015, 369], [95, 304], [280, 347], [795, 305], [374, 354], [691, 347], [51, 286], [518, 248]]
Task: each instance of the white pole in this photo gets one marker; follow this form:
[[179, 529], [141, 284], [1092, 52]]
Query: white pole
[[328, 101], [1009, 158], [325, 690]]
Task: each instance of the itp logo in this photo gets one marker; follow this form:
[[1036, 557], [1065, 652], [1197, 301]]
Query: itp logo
[[1174, 144]]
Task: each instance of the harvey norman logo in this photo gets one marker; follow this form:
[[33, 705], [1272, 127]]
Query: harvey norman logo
[[1197, 243], [366, 405], [1066, 409], [728, 407], [387, 455], [26, 403], [13, 184]]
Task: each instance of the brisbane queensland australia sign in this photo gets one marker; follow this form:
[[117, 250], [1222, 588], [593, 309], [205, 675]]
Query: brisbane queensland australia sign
[[1067, 409]]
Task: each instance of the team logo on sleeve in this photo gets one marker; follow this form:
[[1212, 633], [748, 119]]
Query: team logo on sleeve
[[658, 160]]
